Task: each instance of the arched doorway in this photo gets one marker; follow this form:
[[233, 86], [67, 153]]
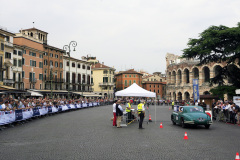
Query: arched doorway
[[195, 73], [206, 74], [186, 73], [174, 77], [179, 76], [186, 96], [179, 96], [206, 93], [174, 96]]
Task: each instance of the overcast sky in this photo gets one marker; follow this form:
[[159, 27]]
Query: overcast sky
[[121, 33]]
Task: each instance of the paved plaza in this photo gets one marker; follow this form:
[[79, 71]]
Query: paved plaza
[[89, 134]]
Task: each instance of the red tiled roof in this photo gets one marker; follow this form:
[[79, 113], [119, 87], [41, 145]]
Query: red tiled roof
[[131, 71], [99, 65]]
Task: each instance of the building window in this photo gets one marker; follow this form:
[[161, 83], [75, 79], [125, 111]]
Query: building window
[[45, 54], [105, 72], [150, 85], [125, 82], [20, 53], [125, 76], [61, 65], [45, 62], [134, 75], [32, 63], [130, 82], [158, 91], [23, 61], [56, 56], [40, 65], [19, 63], [134, 81], [88, 67], [8, 55], [130, 75], [154, 86], [32, 54], [79, 66], [73, 65], [14, 62], [7, 38], [83, 66], [56, 64], [105, 79], [24, 51], [15, 52], [23, 74], [51, 54], [40, 56], [40, 77], [51, 63], [2, 46], [67, 63]]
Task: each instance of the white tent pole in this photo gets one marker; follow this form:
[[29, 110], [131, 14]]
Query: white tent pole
[[155, 112]]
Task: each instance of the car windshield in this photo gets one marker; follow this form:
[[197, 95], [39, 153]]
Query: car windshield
[[195, 109]]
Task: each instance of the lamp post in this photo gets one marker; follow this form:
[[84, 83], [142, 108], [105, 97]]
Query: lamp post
[[68, 48], [51, 76]]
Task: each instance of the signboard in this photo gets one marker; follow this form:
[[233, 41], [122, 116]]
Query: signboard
[[195, 90], [236, 100]]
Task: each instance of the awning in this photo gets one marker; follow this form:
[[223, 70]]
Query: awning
[[237, 91], [35, 94]]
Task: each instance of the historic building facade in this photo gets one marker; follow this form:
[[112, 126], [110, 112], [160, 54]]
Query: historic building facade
[[77, 75], [103, 80], [180, 75], [125, 79]]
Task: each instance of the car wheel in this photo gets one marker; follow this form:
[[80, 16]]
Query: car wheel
[[207, 126], [174, 123], [182, 123]]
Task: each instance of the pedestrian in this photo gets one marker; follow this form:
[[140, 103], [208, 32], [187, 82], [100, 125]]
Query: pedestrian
[[114, 114], [237, 111], [172, 105], [119, 113], [141, 113], [129, 111]]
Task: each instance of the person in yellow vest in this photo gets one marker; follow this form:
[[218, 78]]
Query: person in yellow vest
[[129, 111], [141, 113], [172, 105]]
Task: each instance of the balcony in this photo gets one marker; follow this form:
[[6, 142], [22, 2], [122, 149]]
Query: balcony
[[55, 80], [19, 80], [8, 81], [106, 84], [33, 80]]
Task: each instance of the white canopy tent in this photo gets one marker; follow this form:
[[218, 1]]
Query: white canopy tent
[[36, 94], [237, 91], [136, 91]]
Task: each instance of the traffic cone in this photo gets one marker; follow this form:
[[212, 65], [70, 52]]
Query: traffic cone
[[150, 118], [237, 156], [160, 125], [185, 136]]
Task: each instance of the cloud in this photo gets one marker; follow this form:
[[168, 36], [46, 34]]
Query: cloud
[[122, 33]]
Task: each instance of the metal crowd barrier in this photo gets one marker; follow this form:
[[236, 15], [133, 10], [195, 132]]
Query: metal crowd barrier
[[8, 117]]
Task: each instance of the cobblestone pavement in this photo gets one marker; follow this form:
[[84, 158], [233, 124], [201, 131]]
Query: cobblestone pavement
[[89, 134]]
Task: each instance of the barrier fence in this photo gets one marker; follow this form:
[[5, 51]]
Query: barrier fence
[[11, 116]]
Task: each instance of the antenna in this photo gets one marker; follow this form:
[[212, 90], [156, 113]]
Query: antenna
[[33, 24]]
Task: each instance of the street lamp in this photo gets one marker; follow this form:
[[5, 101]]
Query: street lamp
[[51, 77], [68, 48]]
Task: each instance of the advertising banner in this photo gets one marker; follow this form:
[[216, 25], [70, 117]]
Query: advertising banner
[[195, 90]]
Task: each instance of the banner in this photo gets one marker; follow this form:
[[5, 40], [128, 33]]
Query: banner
[[195, 90], [19, 115], [36, 112]]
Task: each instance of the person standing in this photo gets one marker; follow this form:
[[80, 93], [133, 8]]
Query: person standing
[[129, 111], [141, 113], [237, 111], [119, 113], [172, 105], [114, 114]]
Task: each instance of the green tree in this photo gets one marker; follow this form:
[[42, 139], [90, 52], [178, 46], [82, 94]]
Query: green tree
[[218, 44]]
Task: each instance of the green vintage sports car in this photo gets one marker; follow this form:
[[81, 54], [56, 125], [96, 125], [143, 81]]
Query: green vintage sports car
[[191, 115]]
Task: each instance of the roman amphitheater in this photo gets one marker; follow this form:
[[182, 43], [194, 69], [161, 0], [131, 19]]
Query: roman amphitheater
[[180, 74]]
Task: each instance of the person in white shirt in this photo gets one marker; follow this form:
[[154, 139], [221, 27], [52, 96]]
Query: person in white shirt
[[119, 113], [114, 114]]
